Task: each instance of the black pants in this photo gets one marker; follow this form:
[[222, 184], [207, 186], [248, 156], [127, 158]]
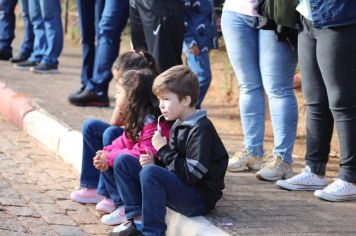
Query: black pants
[[158, 27], [327, 61]]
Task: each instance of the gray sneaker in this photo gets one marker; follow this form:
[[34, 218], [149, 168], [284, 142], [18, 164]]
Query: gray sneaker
[[244, 160], [275, 169]]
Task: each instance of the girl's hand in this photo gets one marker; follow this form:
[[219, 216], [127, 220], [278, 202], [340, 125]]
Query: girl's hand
[[158, 140], [100, 161], [146, 159], [195, 50]]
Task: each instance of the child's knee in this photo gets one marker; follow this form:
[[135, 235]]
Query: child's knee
[[88, 124]]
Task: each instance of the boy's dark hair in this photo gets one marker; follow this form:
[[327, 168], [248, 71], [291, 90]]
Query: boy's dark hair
[[135, 60], [141, 101], [179, 80]]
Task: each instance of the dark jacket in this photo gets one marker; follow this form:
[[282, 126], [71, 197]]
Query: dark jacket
[[197, 156], [331, 13]]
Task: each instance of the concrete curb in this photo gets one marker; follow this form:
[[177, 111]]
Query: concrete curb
[[67, 144]]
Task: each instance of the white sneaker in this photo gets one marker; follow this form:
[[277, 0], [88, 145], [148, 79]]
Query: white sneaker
[[243, 161], [339, 190], [303, 181], [275, 169], [114, 218]]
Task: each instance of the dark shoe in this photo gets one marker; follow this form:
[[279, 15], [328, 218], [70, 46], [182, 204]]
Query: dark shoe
[[26, 65], [44, 68], [126, 229], [87, 98], [5, 56], [20, 58]]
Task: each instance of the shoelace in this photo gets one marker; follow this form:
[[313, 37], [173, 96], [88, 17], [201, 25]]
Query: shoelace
[[274, 162], [337, 186], [244, 154]]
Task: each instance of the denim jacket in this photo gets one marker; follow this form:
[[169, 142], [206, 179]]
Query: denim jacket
[[200, 24], [329, 13]]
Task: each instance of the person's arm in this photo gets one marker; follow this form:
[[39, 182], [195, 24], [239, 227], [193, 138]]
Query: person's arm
[[195, 164]]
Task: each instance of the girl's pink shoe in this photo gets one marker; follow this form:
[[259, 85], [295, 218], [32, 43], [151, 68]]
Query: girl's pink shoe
[[86, 195], [106, 205]]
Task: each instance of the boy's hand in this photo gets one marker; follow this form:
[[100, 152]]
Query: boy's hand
[[100, 161], [195, 50], [158, 140], [146, 159]]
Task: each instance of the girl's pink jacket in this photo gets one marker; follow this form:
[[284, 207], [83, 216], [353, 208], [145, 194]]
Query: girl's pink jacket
[[124, 145]]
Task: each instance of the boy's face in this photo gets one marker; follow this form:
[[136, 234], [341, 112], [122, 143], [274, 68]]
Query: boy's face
[[170, 105]]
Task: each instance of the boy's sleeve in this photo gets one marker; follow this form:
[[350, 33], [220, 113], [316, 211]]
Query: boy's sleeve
[[196, 163]]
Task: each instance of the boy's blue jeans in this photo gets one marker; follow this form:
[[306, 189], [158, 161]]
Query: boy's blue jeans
[[7, 24], [262, 65], [200, 65], [148, 190], [96, 135], [47, 27]]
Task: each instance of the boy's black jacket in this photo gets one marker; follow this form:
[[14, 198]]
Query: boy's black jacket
[[197, 156]]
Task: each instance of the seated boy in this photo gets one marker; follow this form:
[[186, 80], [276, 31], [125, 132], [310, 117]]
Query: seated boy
[[190, 179]]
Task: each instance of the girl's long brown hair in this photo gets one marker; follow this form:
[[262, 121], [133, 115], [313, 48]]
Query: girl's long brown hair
[[141, 101]]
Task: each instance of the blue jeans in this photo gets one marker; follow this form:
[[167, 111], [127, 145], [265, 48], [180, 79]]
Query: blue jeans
[[147, 191], [262, 65], [200, 65], [89, 12], [28, 38], [7, 25], [47, 27], [112, 23], [328, 67], [96, 135]]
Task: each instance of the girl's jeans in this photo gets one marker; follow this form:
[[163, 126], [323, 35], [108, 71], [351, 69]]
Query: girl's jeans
[[96, 135], [148, 190], [262, 65], [327, 60]]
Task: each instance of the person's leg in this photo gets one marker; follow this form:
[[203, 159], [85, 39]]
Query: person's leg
[[40, 42], [92, 142], [241, 39], [137, 34], [161, 188], [277, 64], [200, 65], [319, 123], [112, 23], [28, 38], [335, 53], [7, 27], [126, 171], [163, 25], [106, 185], [51, 16], [86, 16]]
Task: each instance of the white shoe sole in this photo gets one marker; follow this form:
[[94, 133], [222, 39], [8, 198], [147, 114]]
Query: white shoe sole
[[334, 198], [295, 187], [87, 200]]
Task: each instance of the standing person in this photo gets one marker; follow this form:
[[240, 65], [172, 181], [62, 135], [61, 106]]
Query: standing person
[[190, 179], [7, 30], [89, 14], [327, 49], [262, 65], [45, 16], [200, 37], [158, 27], [94, 91]]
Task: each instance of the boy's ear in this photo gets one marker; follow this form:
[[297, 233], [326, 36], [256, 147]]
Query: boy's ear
[[186, 101]]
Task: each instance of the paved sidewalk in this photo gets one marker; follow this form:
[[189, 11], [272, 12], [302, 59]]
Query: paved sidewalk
[[252, 206]]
